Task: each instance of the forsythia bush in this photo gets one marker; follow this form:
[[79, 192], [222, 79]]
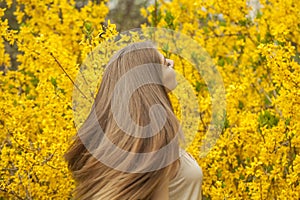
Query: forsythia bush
[[36, 113], [257, 53]]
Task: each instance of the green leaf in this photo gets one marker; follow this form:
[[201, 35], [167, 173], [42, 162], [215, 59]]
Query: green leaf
[[222, 23], [267, 119], [88, 26], [221, 62], [199, 86], [241, 105], [53, 81], [169, 19]]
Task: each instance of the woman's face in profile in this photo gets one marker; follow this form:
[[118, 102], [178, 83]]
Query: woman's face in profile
[[168, 73]]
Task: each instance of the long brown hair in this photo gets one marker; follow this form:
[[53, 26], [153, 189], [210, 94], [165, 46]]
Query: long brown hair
[[95, 179]]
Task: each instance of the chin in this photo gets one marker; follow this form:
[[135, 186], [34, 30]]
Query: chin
[[171, 87]]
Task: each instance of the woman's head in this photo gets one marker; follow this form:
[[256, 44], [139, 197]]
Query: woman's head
[[152, 66], [135, 115]]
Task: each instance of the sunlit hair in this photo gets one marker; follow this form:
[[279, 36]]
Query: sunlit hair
[[95, 180]]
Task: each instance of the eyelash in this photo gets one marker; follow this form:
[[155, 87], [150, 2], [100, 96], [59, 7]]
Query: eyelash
[[165, 62]]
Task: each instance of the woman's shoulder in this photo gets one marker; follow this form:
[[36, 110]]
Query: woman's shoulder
[[187, 183], [189, 168]]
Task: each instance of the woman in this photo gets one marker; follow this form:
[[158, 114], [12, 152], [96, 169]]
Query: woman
[[128, 147]]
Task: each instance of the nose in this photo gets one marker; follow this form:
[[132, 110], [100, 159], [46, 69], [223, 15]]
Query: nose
[[170, 63]]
